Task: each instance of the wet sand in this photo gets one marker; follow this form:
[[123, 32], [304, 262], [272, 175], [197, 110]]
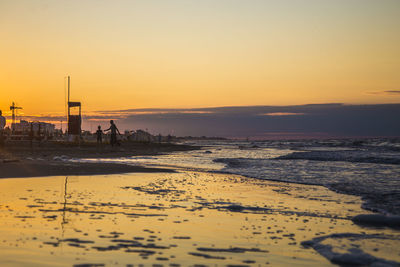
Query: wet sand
[[51, 158], [41, 168], [50, 149], [183, 219]]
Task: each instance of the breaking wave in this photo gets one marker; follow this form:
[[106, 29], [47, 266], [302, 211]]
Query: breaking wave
[[347, 155]]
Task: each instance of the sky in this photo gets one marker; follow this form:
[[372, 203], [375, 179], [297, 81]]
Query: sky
[[184, 54]]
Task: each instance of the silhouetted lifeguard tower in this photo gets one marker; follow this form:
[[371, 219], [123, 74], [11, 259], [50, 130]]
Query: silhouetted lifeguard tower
[[74, 115]]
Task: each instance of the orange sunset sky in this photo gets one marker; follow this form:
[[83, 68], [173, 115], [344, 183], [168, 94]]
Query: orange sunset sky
[[189, 54]]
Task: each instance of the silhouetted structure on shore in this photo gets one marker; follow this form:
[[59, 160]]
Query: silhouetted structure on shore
[[14, 110], [74, 120]]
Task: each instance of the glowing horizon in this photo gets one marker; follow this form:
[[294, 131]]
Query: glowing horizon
[[197, 54]]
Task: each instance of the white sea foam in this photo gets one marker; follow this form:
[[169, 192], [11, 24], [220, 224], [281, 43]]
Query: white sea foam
[[353, 256], [365, 156]]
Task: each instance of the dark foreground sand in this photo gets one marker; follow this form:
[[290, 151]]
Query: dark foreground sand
[[41, 168], [48, 159], [47, 150]]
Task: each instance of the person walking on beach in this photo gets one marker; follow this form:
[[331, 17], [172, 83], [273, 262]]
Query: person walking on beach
[[113, 128], [2, 125], [99, 134]]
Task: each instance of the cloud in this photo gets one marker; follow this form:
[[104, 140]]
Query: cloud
[[321, 120], [387, 92], [262, 122], [282, 114]]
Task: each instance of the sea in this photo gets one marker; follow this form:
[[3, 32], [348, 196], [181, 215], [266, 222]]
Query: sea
[[369, 168]]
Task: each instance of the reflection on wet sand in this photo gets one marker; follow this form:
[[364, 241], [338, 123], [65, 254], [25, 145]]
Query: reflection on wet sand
[[183, 219]]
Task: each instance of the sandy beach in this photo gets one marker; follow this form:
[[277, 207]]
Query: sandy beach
[[199, 133], [97, 213], [52, 158], [41, 168], [50, 149], [183, 219]]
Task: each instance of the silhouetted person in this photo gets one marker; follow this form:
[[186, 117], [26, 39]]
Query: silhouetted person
[[99, 134], [113, 128], [2, 125]]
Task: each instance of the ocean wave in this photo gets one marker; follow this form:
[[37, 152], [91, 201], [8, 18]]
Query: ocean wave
[[377, 144], [240, 162], [367, 168], [346, 155], [377, 184]]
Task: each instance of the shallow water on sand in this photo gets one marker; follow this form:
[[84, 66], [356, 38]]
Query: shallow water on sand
[[369, 168], [176, 219]]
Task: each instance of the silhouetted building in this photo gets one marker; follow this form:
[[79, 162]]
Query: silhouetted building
[[24, 127]]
